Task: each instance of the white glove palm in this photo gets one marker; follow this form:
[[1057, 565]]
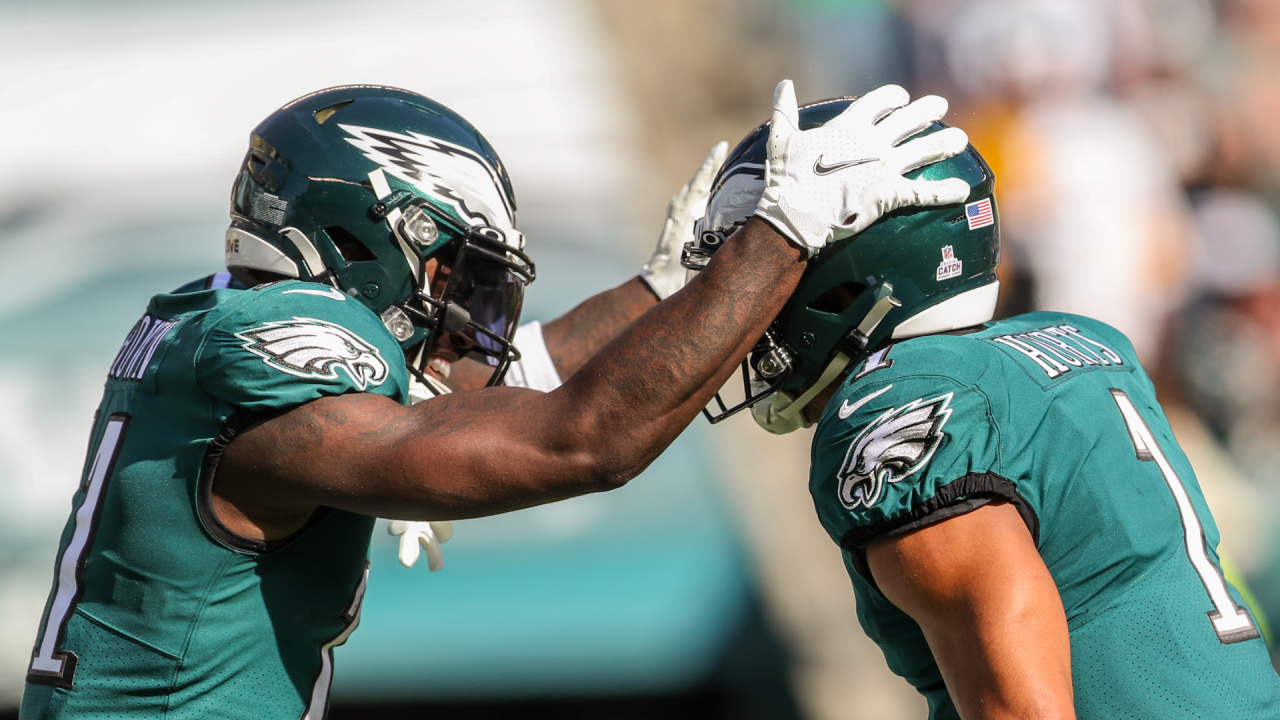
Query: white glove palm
[[833, 181], [428, 535], [663, 273]]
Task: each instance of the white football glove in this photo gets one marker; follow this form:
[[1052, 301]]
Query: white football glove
[[663, 273], [428, 535], [833, 181]]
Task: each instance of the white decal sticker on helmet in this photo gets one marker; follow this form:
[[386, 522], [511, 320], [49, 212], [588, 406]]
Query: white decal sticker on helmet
[[267, 208], [979, 214], [891, 448], [450, 174], [309, 348], [949, 267]]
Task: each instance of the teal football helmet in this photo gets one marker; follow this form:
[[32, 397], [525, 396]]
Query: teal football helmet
[[395, 200], [916, 271]]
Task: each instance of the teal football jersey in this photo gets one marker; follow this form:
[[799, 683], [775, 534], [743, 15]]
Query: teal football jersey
[[1053, 414], [157, 610]]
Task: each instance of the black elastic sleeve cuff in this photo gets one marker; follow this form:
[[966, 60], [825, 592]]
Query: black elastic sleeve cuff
[[234, 425], [961, 496]]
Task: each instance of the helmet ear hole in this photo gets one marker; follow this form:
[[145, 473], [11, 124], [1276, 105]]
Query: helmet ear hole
[[838, 299], [349, 245]]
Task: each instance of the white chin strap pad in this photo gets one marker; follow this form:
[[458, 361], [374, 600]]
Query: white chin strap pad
[[968, 308], [767, 414]]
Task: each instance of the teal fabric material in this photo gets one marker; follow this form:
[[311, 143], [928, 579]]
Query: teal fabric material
[[173, 619], [1025, 410]]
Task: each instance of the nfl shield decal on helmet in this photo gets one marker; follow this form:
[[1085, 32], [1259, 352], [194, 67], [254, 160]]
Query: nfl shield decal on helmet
[[890, 448], [310, 348], [950, 266]]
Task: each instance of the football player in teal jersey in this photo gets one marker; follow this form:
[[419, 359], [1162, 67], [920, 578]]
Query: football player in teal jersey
[[254, 423], [1024, 536]]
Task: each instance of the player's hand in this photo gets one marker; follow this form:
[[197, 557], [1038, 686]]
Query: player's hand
[[663, 273], [833, 181], [427, 535]]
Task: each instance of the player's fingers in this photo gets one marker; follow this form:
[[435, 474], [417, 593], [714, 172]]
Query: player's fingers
[[907, 121], [872, 107], [701, 181], [786, 115], [941, 145], [408, 549], [443, 529], [894, 193], [435, 558], [939, 192]]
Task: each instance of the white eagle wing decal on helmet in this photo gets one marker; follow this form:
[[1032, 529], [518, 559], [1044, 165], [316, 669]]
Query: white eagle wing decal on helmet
[[451, 174], [891, 448], [309, 348]]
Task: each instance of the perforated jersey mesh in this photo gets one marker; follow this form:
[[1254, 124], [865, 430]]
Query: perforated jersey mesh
[[1153, 654], [120, 678]]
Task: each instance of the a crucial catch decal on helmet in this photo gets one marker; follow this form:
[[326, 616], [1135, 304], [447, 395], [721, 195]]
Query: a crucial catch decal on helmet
[[950, 266], [311, 348], [891, 448], [452, 174]]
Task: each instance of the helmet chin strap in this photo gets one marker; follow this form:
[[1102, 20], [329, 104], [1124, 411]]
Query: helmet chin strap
[[788, 414], [422, 386]]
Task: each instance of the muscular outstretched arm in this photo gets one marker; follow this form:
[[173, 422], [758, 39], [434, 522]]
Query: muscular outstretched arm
[[498, 449], [573, 338], [989, 610]]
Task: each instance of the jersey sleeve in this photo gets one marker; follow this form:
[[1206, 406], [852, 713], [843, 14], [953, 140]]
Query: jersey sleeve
[[901, 452], [287, 344]]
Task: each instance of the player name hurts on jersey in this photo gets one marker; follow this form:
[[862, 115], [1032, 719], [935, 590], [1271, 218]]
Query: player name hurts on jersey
[[1058, 348]]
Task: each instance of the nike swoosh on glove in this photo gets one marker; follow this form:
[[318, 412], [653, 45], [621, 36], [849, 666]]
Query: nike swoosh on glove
[[428, 535], [833, 181], [663, 273]]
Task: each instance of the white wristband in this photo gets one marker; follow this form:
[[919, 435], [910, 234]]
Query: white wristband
[[535, 369]]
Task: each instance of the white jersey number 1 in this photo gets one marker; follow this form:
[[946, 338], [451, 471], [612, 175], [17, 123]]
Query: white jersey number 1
[[1230, 621], [49, 664]]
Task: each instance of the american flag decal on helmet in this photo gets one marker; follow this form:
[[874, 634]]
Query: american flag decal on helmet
[[979, 214]]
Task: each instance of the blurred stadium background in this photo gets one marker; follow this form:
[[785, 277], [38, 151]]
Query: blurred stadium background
[[1139, 181]]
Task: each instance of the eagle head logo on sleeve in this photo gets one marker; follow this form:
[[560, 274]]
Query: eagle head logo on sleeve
[[310, 348], [890, 448]]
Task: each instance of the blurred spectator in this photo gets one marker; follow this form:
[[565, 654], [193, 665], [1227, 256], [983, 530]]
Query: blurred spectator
[[852, 46], [1091, 203], [1229, 353], [1228, 368], [1228, 348], [1247, 82], [1162, 70]]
